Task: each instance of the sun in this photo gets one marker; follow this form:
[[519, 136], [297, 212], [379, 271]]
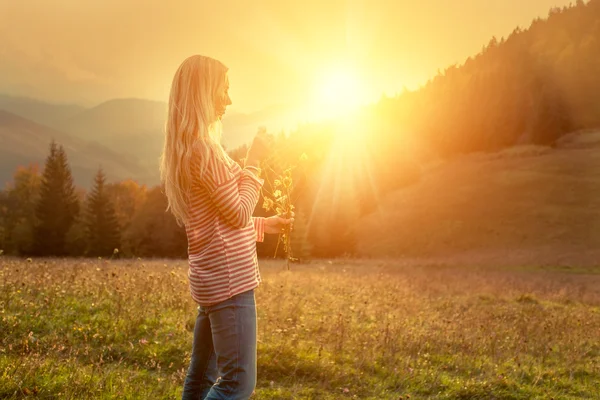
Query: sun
[[337, 92]]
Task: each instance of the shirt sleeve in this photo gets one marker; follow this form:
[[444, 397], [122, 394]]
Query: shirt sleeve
[[259, 227], [235, 199]]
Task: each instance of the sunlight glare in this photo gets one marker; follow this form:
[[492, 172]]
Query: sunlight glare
[[338, 92]]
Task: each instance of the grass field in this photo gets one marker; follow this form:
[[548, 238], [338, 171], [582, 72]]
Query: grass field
[[78, 329], [535, 205]]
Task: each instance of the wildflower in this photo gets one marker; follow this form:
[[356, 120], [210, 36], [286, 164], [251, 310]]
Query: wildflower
[[277, 182], [277, 193], [116, 251], [268, 204], [287, 181], [1, 252]]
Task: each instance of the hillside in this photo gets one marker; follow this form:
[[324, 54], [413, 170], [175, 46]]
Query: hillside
[[39, 111], [23, 141], [135, 127], [525, 205], [130, 126], [531, 87], [117, 117]]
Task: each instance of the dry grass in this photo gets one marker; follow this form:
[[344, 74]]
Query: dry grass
[[78, 329], [542, 202]]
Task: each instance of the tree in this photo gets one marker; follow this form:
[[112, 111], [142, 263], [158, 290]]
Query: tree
[[335, 211], [102, 226], [127, 197], [76, 241], [3, 221], [301, 247], [57, 207], [154, 232], [21, 198]]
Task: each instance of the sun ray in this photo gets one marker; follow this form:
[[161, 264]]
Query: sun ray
[[347, 174], [337, 92]]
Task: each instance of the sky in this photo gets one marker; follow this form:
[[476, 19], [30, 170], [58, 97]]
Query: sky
[[279, 52]]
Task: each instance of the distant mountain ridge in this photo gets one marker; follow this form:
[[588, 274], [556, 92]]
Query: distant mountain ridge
[[117, 116], [23, 141], [39, 111], [131, 128]]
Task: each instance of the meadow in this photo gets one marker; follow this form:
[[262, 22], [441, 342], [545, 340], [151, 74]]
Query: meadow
[[330, 329]]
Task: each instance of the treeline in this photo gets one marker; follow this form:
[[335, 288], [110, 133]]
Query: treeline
[[531, 87], [43, 213], [46, 214]]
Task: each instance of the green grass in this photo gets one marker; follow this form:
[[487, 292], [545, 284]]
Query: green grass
[[78, 329]]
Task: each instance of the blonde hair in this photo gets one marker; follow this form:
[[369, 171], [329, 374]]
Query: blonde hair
[[192, 123]]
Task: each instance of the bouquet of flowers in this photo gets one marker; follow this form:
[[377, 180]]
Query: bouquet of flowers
[[279, 199]]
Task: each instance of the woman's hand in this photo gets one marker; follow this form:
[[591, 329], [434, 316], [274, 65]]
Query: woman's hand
[[277, 224]]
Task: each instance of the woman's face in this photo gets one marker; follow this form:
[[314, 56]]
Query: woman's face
[[222, 100]]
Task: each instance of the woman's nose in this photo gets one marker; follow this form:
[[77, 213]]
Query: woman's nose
[[228, 100]]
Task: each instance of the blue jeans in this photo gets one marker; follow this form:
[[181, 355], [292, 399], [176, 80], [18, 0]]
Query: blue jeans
[[224, 346]]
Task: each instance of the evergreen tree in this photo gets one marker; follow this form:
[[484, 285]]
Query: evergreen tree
[[127, 197], [57, 206], [3, 221], [154, 232], [102, 225], [22, 196]]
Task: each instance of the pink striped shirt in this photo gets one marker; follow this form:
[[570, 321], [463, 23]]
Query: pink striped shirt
[[221, 231]]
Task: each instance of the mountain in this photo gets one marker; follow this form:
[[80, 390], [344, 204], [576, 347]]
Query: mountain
[[129, 131], [132, 127], [524, 205], [136, 126], [117, 117], [23, 141], [39, 111], [531, 87]]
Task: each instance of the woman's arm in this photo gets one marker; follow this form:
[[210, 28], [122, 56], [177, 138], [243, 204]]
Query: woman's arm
[[259, 227], [234, 199]]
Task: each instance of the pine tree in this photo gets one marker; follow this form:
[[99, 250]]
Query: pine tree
[[57, 206], [22, 198], [102, 225]]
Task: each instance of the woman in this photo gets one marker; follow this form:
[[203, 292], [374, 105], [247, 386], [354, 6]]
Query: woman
[[214, 198]]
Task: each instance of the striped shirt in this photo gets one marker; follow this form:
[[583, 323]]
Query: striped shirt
[[221, 231]]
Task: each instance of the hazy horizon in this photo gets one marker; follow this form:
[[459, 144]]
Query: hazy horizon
[[278, 54]]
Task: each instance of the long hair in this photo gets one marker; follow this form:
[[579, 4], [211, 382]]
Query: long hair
[[192, 123]]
